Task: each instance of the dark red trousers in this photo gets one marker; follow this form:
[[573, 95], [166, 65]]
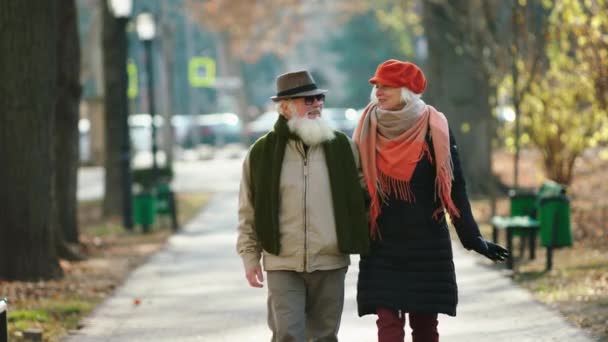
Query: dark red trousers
[[391, 326]]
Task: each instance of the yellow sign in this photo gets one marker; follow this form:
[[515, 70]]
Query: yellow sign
[[133, 87], [465, 127], [201, 72]]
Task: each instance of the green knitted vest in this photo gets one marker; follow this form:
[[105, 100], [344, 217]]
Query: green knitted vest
[[266, 160]]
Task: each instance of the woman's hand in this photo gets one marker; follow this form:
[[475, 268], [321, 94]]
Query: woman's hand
[[491, 250]]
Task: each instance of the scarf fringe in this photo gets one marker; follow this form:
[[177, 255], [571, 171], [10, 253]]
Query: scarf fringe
[[386, 186], [443, 187], [400, 188], [437, 214], [374, 212]]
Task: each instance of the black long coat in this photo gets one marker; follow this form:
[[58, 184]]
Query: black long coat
[[411, 268]]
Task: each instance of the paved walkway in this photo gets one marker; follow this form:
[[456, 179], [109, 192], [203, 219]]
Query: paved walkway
[[195, 290]]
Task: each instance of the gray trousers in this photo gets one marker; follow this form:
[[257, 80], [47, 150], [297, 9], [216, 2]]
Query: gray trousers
[[305, 306]]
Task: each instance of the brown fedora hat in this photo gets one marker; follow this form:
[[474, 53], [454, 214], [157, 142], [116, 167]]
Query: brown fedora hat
[[296, 84]]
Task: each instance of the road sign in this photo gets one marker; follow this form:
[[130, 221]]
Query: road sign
[[133, 87], [201, 72]]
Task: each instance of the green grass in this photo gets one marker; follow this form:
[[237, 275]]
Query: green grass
[[55, 317], [106, 229], [34, 315], [69, 308], [90, 203]]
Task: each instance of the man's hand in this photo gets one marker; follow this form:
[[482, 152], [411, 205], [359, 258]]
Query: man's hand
[[491, 250], [255, 277]]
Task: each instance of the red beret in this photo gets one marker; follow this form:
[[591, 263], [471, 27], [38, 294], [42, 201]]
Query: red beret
[[399, 74]]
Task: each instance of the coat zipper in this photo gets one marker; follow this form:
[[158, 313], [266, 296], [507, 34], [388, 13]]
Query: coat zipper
[[305, 211]]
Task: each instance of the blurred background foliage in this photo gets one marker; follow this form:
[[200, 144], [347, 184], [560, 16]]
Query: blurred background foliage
[[471, 51], [563, 108]]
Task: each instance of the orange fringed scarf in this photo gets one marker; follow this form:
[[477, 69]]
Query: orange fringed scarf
[[388, 164]]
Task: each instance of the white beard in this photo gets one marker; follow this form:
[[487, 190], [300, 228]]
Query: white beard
[[311, 131]]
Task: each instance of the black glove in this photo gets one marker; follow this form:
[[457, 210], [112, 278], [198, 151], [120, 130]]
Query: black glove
[[491, 250]]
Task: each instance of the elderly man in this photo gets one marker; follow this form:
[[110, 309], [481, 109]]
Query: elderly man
[[301, 211]]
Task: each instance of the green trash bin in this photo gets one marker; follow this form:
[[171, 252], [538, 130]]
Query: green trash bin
[[144, 210], [163, 198], [551, 188], [165, 203], [554, 217]]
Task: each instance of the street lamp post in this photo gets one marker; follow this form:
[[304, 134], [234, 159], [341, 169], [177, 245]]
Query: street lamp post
[[146, 30], [121, 9]]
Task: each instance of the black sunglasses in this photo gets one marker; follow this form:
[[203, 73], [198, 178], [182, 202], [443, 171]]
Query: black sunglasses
[[308, 100]]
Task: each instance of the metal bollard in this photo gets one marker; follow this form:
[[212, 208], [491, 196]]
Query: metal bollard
[[3, 320]]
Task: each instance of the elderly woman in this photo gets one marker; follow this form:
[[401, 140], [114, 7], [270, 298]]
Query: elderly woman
[[413, 176]]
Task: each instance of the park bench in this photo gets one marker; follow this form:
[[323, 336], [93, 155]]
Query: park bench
[[3, 320], [546, 211]]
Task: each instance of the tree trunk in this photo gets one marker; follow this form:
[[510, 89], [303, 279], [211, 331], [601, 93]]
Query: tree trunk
[[66, 121], [457, 87], [559, 161], [27, 101], [114, 58]]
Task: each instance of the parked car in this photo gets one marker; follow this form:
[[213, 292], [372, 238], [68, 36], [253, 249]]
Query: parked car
[[342, 119], [181, 124], [217, 129], [260, 126], [140, 130], [212, 135]]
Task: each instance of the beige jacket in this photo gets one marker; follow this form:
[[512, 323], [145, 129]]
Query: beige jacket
[[306, 219]]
